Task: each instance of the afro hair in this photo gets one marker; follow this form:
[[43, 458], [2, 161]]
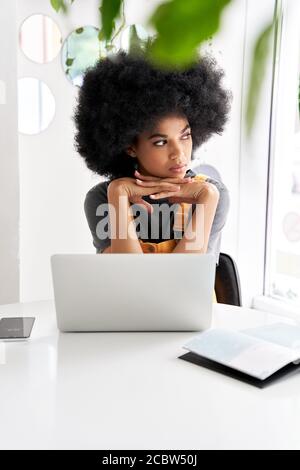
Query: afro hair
[[123, 95]]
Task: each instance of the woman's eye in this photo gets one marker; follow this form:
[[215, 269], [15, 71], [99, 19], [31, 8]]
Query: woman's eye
[[187, 135], [159, 142]]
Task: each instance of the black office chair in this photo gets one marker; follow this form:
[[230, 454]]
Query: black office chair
[[227, 282]]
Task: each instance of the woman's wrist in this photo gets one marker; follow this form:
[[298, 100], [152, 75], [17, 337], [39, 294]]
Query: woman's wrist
[[116, 189]]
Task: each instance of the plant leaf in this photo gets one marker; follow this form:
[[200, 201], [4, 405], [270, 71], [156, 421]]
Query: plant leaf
[[259, 58], [182, 26], [135, 42], [59, 4], [100, 35], [56, 4], [109, 10]]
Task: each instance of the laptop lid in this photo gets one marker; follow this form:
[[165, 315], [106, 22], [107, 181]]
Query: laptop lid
[[130, 292]]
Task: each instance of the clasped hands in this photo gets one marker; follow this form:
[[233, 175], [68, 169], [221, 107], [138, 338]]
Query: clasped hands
[[175, 189], [180, 189]]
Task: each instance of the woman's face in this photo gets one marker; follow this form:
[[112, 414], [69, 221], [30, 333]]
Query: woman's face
[[166, 150]]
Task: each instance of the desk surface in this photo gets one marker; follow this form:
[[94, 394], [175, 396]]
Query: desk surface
[[129, 391]]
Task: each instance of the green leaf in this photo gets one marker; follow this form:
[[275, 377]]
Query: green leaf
[[79, 30], [258, 66], [135, 43], [109, 10], [69, 61], [101, 35], [56, 4], [182, 26], [59, 4]]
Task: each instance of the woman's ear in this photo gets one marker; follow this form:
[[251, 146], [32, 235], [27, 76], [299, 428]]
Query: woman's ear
[[131, 152]]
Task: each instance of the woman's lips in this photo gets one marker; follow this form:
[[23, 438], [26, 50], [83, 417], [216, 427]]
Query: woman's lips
[[178, 169]]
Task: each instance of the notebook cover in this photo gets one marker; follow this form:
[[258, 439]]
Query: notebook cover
[[288, 370]]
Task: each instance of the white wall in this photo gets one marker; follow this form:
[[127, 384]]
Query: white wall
[[9, 173], [53, 178]]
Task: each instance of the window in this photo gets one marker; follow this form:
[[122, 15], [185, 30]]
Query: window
[[282, 268]]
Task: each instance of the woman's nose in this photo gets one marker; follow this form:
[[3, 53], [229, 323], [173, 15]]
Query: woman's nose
[[176, 152], [177, 155]]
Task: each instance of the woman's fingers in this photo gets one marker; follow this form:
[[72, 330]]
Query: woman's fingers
[[153, 184], [163, 194], [167, 180], [146, 178], [161, 190]]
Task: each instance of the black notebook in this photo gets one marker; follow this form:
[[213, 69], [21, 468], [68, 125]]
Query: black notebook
[[256, 355]]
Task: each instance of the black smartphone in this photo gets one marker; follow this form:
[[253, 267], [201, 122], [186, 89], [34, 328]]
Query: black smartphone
[[16, 327]]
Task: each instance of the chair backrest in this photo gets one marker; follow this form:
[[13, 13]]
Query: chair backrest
[[227, 282], [208, 170]]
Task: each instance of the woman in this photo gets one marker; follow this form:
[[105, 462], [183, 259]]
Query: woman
[[139, 126]]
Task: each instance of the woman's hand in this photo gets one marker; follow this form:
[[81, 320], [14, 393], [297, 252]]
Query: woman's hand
[[194, 192], [136, 188]]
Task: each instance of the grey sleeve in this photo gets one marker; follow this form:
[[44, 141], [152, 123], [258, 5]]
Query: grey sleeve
[[97, 215], [214, 243]]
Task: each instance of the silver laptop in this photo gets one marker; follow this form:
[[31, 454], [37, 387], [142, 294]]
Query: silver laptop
[[130, 292]]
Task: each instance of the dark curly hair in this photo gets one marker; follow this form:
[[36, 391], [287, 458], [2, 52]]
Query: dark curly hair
[[124, 95]]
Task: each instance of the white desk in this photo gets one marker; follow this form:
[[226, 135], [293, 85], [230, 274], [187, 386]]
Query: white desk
[[129, 391]]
